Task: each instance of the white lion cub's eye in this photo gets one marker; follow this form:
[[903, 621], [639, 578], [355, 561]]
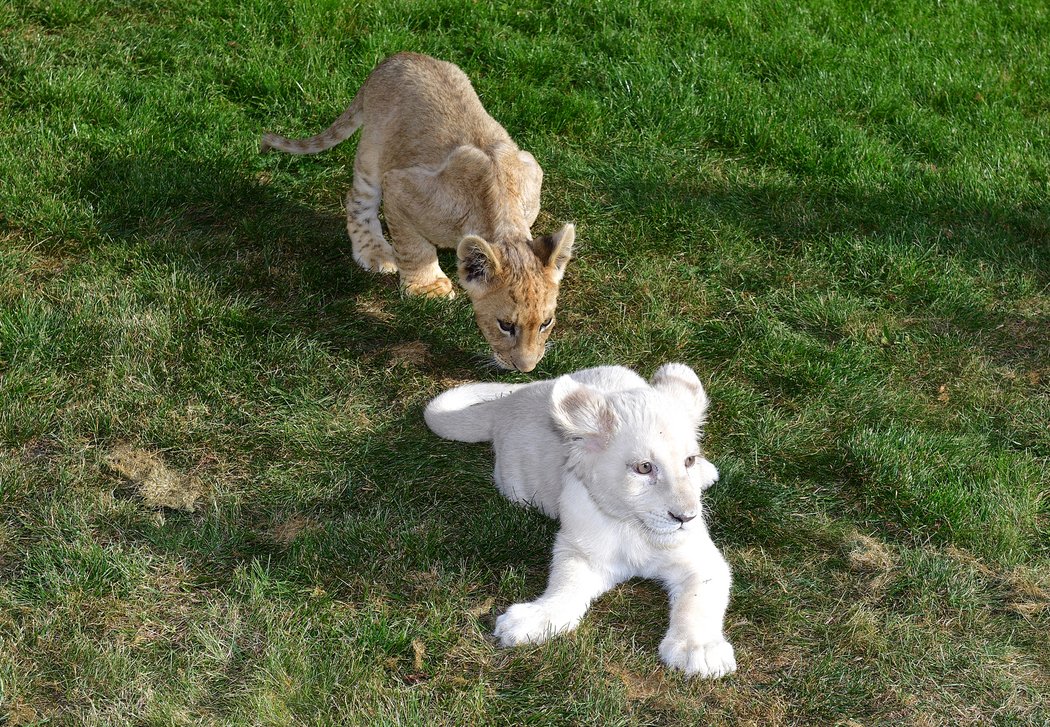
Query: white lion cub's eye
[[644, 468], [690, 460]]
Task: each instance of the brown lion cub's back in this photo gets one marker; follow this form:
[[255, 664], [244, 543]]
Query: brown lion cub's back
[[448, 176]]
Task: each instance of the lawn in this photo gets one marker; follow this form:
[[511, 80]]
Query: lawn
[[838, 213]]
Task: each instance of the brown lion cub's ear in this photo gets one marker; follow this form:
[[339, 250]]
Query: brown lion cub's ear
[[555, 251], [479, 264]]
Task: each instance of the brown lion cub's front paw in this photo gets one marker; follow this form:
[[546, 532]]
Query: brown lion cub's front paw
[[435, 288], [385, 267], [376, 261]]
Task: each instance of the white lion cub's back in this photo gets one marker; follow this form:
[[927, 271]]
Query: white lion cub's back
[[516, 418]]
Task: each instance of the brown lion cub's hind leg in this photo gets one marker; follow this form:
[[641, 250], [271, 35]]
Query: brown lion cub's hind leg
[[371, 250]]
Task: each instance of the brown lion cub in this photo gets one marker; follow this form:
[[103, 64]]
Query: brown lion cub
[[449, 176]]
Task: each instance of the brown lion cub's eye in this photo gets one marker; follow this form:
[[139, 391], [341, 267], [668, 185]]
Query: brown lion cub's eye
[[546, 324], [643, 468], [690, 461], [505, 326]]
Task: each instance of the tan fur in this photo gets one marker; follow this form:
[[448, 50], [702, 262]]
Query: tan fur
[[449, 176]]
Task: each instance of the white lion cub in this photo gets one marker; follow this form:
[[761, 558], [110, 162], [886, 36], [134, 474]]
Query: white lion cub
[[615, 459]]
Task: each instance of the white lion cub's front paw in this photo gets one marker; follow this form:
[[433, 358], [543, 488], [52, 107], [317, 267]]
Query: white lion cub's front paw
[[528, 623], [710, 660]]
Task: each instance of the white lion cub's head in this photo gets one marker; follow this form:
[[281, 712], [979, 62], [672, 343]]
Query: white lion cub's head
[[637, 450]]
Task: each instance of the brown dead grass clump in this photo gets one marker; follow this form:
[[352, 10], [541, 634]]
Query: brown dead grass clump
[[870, 557], [284, 533], [414, 354], [156, 483], [638, 686], [19, 713], [1028, 598], [374, 310]]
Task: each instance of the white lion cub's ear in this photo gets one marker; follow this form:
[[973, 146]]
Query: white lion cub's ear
[[682, 384], [583, 414], [479, 264]]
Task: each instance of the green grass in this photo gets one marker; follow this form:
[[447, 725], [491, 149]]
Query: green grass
[[836, 212]]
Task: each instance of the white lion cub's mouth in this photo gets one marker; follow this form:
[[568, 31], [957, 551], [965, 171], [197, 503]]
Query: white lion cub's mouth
[[662, 527]]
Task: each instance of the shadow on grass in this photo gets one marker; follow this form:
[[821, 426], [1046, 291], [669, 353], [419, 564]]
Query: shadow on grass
[[293, 264], [893, 227], [290, 260], [795, 218]]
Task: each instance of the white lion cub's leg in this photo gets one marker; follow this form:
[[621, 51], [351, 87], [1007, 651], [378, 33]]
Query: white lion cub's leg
[[695, 642], [371, 250], [573, 584]]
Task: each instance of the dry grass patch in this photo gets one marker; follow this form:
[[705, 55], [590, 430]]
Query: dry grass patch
[[1024, 590], [285, 532], [157, 484], [872, 560]]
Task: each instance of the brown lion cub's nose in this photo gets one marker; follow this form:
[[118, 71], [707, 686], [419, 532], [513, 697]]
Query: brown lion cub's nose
[[526, 365]]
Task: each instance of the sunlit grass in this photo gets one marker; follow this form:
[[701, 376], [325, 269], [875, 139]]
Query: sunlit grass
[[837, 215]]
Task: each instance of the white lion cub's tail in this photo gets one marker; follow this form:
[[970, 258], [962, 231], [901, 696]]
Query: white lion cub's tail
[[467, 413]]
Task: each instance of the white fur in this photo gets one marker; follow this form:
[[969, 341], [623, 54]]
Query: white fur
[[569, 447]]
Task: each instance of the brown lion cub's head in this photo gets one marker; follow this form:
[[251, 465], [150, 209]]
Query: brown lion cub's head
[[514, 289]]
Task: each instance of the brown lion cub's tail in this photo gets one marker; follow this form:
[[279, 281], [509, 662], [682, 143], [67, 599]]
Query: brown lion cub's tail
[[467, 413], [340, 130]]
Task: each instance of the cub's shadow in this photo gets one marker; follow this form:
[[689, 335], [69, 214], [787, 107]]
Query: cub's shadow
[[223, 223], [226, 224]]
